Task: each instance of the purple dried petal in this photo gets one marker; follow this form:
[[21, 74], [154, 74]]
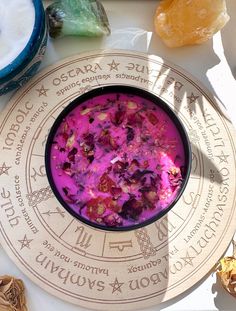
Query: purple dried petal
[[155, 180], [88, 142], [150, 196], [138, 174], [95, 208], [113, 143], [130, 134], [71, 154], [175, 176], [116, 192], [66, 166], [65, 190], [152, 118], [135, 119], [90, 158], [133, 165], [118, 117], [88, 147], [113, 220], [81, 188], [132, 209], [135, 162], [183, 170], [65, 136], [106, 183], [107, 140], [70, 196], [145, 138], [73, 151], [119, 167], [143, 181]]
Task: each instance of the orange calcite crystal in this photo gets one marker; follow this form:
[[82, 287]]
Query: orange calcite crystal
[[186, 22]]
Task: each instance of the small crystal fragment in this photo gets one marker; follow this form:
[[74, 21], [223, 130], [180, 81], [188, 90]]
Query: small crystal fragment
[[77, 18], [186, 22]]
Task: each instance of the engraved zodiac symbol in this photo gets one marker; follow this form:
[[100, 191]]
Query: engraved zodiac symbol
[[145, 244], [83, 238], [45, 138], [41, 172], [38, 196], [191, 199], [163, 228], [194, 162], [58, 211], [121, 245]]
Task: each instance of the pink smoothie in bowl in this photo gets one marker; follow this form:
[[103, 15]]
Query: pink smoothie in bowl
[[118, 158]]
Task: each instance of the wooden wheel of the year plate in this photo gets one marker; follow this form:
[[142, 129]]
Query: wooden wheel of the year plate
[[104, 270]]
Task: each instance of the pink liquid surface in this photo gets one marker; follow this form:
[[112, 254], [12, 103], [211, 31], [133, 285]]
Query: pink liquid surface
[[117, 160]]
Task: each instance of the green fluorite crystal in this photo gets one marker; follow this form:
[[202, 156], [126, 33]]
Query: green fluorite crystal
[[77, 18]]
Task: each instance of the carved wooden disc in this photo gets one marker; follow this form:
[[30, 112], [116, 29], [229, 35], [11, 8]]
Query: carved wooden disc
[[110, 270]]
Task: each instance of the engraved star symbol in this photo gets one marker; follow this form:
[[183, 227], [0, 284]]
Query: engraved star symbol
[[116, 286], [42, 91], [188, 260], [223, 157], [192, 98], [4, 169], [25, 242], [113, 65]]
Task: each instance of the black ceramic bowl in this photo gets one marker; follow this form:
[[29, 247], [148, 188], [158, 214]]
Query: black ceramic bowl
[[129, 188]]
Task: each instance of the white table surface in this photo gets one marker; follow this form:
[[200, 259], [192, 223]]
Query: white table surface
[[213, 63]]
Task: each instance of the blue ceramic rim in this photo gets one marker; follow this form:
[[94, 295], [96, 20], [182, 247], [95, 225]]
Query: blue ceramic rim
[[24, 55], [123, 89]]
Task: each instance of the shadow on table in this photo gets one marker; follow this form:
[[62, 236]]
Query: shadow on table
[[223, 300], [175, 300], [229, 43]]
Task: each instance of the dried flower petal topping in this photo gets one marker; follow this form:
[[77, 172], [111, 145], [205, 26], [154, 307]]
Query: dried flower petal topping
[[113, 220], [118, 160], [132, 209], [96, 208], [130, 134], [118, 117], [175, 176], [152, 118], [106, 183], [107, 140]]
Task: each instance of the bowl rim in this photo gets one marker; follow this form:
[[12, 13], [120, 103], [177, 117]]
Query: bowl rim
[[27, 50], [127, 89]]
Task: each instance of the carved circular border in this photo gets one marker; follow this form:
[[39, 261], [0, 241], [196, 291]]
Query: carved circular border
[[194, 100]]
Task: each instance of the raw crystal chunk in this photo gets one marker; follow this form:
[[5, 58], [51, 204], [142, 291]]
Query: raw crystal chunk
[[77, 18], [186, 22]]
